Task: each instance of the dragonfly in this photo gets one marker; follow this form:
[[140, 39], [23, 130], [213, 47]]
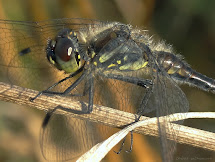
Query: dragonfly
[[98, 62]]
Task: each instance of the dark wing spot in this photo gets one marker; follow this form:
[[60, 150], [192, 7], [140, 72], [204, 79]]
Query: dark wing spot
[[25, 51]]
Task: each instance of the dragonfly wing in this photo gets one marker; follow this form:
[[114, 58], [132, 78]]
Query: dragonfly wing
[[169, 99]]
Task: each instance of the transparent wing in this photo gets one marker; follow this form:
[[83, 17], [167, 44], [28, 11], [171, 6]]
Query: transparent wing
[[30, 39], [31, 69], [67, 138], [64, 138], [167, 98], [164, 98], [108, 92]]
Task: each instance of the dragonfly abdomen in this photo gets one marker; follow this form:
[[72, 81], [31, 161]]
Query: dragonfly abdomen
[[202, 81], [180, 71]]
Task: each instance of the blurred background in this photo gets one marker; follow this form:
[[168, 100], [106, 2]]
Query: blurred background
[[187, 25]]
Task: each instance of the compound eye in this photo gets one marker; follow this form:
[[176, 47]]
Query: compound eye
[[51, 57], [50, 51], [64, 49]]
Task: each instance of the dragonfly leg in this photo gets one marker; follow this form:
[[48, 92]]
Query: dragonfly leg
[[54, 85], [84, 93], [91, 94], [146, 83], [144, 102], [68, 90], [121, 147], [131, 145], [123, 143], [89, 110]]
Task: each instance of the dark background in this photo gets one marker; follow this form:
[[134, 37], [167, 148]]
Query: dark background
[[189, 26]]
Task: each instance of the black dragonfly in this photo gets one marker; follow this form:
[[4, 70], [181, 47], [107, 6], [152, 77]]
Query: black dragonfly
[[103, 63]]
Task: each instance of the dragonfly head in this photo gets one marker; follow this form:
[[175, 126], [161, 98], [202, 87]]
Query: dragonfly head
[[63, 51]]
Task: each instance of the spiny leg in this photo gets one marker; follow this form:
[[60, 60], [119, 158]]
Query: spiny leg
[[89, 109], [142, 106], [70, 88], [123, 143], [54, 85], [91, 94], [84, 93], [140, 82], [144, 102], [146, 83], [161, 103], [121, 147]]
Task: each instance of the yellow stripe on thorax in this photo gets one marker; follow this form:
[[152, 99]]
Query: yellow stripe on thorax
[[134, 66]]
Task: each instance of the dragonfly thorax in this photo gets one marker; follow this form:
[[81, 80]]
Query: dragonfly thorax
[[63, 51]]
